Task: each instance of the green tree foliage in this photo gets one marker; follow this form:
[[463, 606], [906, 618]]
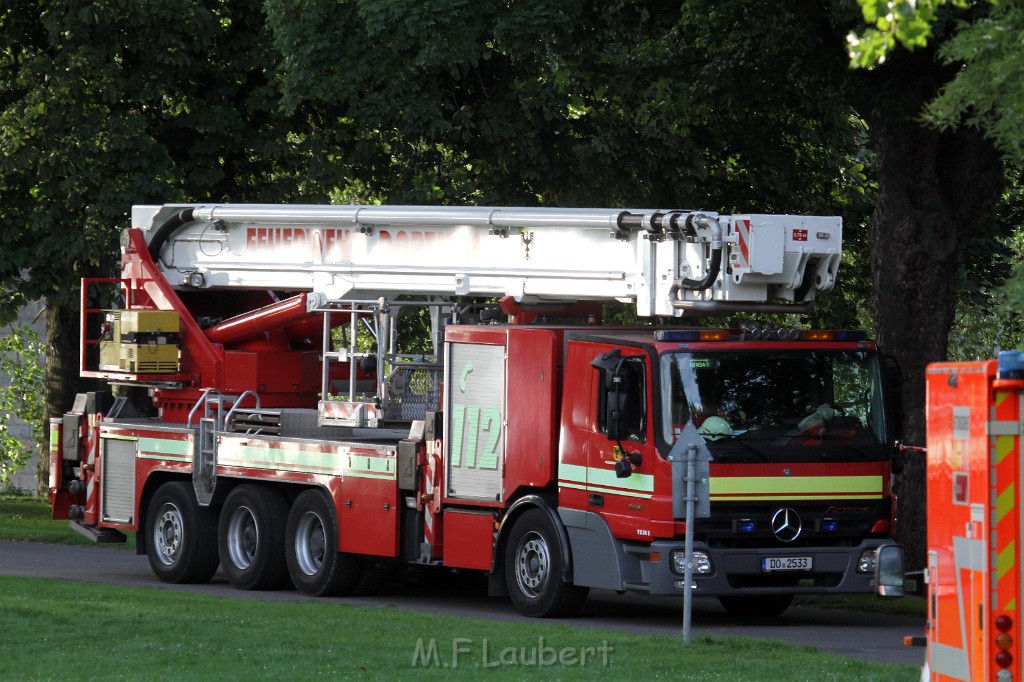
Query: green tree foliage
[[890, 23], [562, 103], [109, 103], [982, 43], [578, 104], [21, 396], [988, 91]]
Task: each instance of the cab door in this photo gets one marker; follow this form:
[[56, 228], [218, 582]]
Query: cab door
[[620, 454]]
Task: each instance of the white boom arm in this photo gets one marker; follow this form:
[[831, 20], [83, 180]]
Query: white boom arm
[[667, 262]]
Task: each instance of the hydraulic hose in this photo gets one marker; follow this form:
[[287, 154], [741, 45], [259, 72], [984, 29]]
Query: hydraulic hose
[[166, 229], [715, 264]]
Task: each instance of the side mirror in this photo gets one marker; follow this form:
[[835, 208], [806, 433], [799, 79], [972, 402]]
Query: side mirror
[[616, 397], [892, 386], [889, 571], [616, 402]]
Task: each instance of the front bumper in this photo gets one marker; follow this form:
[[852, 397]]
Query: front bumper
[[738, 571]]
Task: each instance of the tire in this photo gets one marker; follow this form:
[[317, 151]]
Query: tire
[[181, 536], [315, 565], [760, 606], [250, 537], [533, 569]]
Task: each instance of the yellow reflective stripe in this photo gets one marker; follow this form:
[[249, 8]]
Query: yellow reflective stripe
[[572, 472], [643, 483], [605, 481], [295, 459], [1005, 559], [154, 447], [1005, 502], [739, 487], [1004, 446]]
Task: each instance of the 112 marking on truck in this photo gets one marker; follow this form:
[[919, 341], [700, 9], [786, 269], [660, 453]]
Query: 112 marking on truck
[[288, 435]]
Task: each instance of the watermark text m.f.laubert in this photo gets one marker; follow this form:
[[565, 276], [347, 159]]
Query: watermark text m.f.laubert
[[484, 653]]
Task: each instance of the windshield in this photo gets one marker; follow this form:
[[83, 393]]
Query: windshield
[[777, 405]]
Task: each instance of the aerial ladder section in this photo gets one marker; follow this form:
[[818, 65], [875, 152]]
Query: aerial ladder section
[[234, 285], [665, 262]]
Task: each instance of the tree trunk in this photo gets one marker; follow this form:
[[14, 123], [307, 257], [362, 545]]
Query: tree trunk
[[62, 377], [934, 188]]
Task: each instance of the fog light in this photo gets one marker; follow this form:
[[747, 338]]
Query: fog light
[[866, 564], [746, 526], [701, 562]]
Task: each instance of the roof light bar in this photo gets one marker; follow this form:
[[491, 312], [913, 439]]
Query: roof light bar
[[754, 333], [689, 335]]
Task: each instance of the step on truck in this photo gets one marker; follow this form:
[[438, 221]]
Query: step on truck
[[307, 395]]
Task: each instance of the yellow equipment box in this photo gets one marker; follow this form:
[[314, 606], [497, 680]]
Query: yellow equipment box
[[140, 342]]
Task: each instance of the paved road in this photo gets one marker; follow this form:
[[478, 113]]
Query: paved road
[[856, 635]]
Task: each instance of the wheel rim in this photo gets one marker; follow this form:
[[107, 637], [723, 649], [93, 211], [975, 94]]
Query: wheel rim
[[243, 537], [310, 543], [533, 564], [167, 533]]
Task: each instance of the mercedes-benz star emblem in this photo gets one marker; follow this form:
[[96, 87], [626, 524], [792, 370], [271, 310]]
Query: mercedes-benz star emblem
[[786, 524]]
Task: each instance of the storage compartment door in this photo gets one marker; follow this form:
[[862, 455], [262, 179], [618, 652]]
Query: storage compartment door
[[475, 421]]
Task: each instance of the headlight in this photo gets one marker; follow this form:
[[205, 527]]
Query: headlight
[[701, 562], [866, 564]]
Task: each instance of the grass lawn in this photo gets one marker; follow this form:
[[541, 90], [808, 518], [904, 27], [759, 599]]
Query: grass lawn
[[63, 630], [28, 519]]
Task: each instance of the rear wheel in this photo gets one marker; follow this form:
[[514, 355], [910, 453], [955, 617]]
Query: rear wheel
[[181, 536], [251, 537], [533, 569], [760, 606], [316, 566]]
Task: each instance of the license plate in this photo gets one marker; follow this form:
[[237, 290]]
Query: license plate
[[786, 563]]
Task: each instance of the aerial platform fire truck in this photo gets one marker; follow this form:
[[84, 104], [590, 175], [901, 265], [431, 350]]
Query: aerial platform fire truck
[[290, 434], [975, 419]]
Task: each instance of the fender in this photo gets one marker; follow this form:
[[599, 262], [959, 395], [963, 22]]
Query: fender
[[496, 579]]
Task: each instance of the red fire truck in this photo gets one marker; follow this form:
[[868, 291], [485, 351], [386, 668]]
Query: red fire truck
[[975, 417], [289, 433]]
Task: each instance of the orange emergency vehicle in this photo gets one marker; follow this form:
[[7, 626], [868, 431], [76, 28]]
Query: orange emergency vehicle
[[975, 417]]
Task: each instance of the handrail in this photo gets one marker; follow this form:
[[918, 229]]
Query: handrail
[[201, 401], [238, 400]]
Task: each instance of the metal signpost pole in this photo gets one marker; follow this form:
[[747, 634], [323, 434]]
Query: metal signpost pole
[[691, 475]]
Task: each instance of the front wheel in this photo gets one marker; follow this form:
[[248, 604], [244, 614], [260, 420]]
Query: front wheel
[[251, 538], [533, 569], [181, 536], [315, 565]]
